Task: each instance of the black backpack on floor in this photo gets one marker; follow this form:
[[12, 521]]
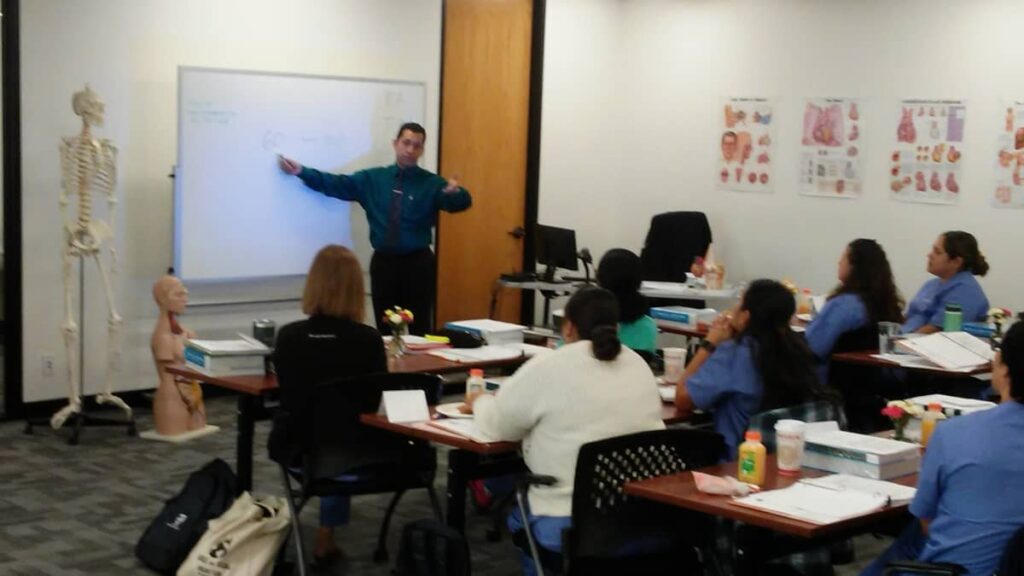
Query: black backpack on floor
[[429, 548], [207, 494]]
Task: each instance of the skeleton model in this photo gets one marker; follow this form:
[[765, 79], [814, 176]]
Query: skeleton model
[[88, 168]]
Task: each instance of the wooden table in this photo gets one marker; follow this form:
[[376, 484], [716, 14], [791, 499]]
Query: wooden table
[[472, 460], [679, 490], [252, 390], [698, 331], [867, 358]]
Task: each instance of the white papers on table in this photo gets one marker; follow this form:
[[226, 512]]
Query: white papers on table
[[465, 428], [950, 350], [481, 354], [896, 493], [819, 502], [954, 403], [668, 393], [680, 290], [912, 361], [404, 406], [531, 350]]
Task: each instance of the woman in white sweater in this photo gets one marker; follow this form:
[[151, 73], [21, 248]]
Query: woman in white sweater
[[590, 389]]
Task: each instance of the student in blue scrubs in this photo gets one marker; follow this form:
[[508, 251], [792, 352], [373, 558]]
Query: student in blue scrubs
[[955, 259], [865, 296], [751, 361], [968, 502], [620, 273]]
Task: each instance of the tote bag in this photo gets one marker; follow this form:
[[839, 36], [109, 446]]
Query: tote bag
[[243, 542]]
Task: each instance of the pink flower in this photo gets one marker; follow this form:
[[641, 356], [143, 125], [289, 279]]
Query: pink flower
[[894, 412]]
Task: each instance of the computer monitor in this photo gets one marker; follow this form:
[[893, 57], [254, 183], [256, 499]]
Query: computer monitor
[[556, 248]]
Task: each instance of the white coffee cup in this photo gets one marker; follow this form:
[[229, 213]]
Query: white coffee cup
[[675, 362], [789, 445]]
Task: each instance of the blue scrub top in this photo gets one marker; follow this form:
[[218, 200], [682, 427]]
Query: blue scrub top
[[929, 305], [729, 384], [970, 488], [841, 314]]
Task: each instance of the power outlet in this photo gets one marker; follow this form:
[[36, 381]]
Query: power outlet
[[49, 365]]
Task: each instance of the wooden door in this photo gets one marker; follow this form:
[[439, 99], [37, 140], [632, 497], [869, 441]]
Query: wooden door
[[484, 122]]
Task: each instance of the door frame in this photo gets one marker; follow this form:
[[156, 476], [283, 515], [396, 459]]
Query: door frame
[[11, 110], [533, 139]]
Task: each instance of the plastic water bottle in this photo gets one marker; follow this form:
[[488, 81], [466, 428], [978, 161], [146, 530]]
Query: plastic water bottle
[[475, 383], [953, 319]]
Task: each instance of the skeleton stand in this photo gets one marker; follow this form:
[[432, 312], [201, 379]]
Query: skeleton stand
[[82, 417]]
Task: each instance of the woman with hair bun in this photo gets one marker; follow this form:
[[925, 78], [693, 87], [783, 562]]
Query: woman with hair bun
[[955, 260], [590, 389]]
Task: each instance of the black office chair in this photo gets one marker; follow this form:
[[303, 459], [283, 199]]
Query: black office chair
[[1012, 563], [864, 388], [341, 445], [673, 241], [615, 533]]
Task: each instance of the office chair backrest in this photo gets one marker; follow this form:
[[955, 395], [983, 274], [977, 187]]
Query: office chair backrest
[[820, 411], [605, 521], [673, 241], [341, 443]]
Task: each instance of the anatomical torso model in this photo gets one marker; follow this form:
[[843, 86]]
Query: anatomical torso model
[[177, 404]]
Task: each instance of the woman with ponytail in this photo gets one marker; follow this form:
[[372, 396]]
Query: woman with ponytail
[[750, 362], [590, 389], [955, 260]]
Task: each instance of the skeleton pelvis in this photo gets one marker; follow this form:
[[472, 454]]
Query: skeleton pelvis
[[88, 238]]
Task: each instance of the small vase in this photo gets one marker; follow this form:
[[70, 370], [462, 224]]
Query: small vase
[[397, 346], [899, 427]]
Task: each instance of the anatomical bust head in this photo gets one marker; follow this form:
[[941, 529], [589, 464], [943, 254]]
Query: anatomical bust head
[[170, 294], [88, 105]]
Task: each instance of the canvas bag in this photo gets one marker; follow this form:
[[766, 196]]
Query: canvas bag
[[244, 541]]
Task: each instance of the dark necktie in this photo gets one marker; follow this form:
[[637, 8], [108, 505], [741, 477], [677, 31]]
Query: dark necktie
[[395, 212]]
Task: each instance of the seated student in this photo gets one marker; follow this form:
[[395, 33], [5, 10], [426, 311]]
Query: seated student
[[866, 295], [965, 507], [955, 260], [751, 361], [620, 273], [590, 389], [332, 343]]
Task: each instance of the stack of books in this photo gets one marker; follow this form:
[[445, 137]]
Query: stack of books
[[861, 455], [682, 316], [955, 351], [226, 357], [493, 332]]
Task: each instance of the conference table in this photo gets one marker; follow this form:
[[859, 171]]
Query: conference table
[[253, 389], [470, 460], [680, 490], [869, 358]]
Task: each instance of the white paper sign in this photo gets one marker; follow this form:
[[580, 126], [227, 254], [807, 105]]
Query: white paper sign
[[405, 406]]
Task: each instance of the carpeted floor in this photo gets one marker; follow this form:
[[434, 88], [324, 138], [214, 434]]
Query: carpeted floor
[[70, 510]]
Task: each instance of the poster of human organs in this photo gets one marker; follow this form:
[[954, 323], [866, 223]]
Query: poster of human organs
[[744, 147], [830, 148], [925, 164], [1009, 184]]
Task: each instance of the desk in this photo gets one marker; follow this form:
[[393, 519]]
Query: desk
[[471, 460], [251, 390], [698, 331], [679, 490], [867, 358]]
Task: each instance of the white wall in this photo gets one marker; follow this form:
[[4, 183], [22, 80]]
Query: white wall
[[129, 52], [632, 92]]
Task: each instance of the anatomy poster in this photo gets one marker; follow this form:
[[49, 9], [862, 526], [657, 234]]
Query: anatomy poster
[[1009, 186], [830, 148], [925, 163], [745, 145]]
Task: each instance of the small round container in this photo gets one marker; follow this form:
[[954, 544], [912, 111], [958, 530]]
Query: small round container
[[789, 446]]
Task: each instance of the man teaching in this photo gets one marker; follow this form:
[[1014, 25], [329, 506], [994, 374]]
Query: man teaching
[[401, 202]]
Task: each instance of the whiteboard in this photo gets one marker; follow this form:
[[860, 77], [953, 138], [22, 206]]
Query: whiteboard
[[236, 215]]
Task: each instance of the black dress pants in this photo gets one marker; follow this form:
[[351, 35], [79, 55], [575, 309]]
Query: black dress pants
[[404, 280]]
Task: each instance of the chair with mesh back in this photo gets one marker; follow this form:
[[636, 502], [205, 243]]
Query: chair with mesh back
[[379, 461], [615, 533]]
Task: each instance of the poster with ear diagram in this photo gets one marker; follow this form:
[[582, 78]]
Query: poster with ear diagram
[[925, 163], [744, 149], [1009, 184], [830, 148]]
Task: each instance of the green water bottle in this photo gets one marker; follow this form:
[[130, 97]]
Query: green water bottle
[[953, 319]]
